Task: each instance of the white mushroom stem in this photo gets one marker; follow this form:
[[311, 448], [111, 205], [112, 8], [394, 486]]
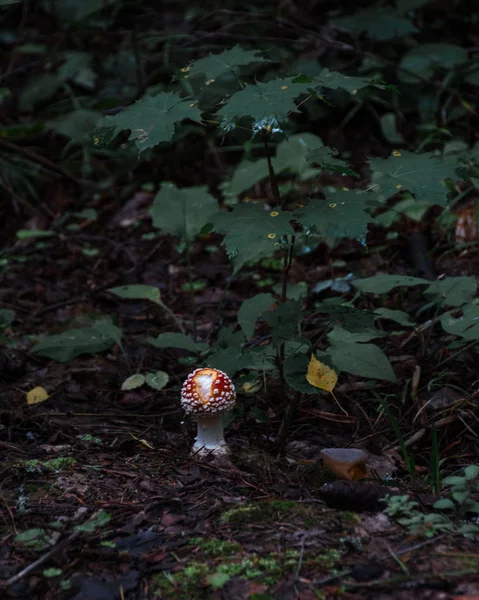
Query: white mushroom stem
[[210, 438]]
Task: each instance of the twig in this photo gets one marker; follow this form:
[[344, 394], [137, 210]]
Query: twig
[[40, 561]]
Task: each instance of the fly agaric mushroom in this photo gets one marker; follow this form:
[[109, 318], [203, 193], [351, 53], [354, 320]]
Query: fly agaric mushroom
[[207, 394]]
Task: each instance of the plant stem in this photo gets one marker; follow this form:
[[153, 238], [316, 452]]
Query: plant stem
[[172, 315], [191, 290], [272, 176]]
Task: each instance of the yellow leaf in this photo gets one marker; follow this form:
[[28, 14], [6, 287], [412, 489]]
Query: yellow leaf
[[321, 376], [37, 395]]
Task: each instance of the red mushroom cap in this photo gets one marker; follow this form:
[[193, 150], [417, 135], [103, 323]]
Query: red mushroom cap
[[208, 391]]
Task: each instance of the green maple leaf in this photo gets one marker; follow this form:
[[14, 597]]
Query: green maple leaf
[[342, 214], [183, 211], [251, 232], [335, 80], [421, 174], [378, 23], [214, 65], [152, 119], [268, 104]]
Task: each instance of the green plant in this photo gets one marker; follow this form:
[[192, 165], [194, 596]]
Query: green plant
[[460, 502], [463, 490]]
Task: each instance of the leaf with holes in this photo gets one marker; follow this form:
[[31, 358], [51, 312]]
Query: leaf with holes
[[251, 232], [66, 346], [452, 291], [267, 104], [152, 119], [183, 211], [465, 326], [342, 214], [215, 65], [421, 174]]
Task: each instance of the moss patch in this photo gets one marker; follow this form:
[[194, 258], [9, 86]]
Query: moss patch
[[222, 562], [311, 515]]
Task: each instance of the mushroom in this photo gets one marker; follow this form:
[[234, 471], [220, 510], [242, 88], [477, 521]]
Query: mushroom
[[207, 394], [346, 463]]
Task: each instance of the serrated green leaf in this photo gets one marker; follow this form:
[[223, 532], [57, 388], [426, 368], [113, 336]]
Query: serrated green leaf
[[157, 380], [183, 212], [251, 232], [261, 358], [452, 291], [466, 326], [422, 61], [66, 346], [421, 174], [228, 360], [378, 23], [133, 382], [341, 214], [335, 80], [214, 65], [177, 340], [137, 292], [284, 321], [152, 119], [267, 104], [364, 360], [291, 156], [325, 159], [353, 321], [250, 310], [247, 174]]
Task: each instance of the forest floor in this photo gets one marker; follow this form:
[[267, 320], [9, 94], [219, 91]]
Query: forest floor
[[156, 522]]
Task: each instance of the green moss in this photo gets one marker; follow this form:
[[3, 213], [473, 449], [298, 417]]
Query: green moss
[[328, 559], [350, 516], [310, 515], [215, 547], [55, 464], [182, 584], [194, 578]]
